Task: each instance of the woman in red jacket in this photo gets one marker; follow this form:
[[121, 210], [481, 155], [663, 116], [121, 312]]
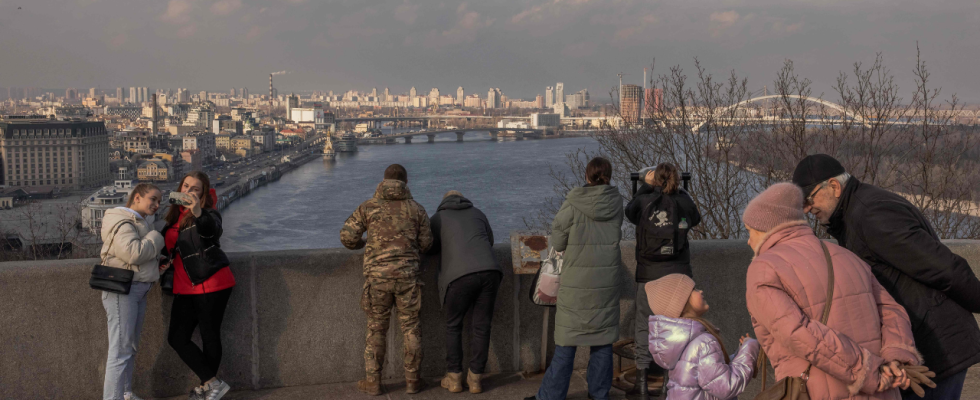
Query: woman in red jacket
[[202, 282]]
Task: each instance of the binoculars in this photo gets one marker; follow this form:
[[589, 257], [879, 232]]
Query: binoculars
[[636, 176]]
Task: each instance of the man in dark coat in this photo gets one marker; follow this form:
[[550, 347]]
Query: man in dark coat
[[469, 277], [937, 288]]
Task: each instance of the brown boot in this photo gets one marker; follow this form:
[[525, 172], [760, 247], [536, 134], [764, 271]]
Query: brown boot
[[473, 381], [414, 383], [370, 385], [453, 382]]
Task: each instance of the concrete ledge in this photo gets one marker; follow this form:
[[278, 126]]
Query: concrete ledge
[[294, 319]]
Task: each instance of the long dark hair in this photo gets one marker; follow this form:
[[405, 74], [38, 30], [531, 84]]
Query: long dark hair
[[599, 171], [667, 177], [173, 215]]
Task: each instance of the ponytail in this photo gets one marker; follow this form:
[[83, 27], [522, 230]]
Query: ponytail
[[142, 189]]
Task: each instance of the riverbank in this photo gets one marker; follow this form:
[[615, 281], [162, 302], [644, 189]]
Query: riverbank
[[229, 192]]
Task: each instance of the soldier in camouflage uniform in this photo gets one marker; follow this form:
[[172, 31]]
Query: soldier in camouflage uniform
[[397, 234]]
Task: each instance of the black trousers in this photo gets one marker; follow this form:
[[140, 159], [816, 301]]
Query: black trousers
[[475, 292], [205, 311]]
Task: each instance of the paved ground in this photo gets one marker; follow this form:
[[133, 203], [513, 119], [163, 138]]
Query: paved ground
[[506, 386], [495, 387]]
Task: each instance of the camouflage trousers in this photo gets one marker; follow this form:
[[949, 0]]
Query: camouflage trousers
[[379, 297]]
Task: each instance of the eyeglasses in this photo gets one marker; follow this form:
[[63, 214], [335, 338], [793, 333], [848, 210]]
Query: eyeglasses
[[809, 199]]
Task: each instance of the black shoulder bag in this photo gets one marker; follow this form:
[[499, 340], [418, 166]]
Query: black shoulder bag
[[111, 279]]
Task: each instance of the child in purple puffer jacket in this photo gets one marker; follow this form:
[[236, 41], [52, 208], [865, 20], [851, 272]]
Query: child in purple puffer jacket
[[690, 347]]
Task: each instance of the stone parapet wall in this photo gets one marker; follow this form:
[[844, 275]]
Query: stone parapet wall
[[295, 319]]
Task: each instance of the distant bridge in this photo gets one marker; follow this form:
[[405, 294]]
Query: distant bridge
[[519, 133]]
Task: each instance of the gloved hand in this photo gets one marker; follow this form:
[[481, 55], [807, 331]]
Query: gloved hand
[[920, 376]]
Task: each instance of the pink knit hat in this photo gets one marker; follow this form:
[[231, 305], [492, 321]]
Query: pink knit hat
[[669, 295], [779, 204]]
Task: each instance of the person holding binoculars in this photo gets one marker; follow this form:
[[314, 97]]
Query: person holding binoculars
[[664, 213]]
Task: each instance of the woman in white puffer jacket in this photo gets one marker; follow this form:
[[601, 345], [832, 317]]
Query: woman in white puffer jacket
[[136, 246]]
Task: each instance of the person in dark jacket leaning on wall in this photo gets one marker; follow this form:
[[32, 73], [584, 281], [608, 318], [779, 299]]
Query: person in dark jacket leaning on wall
[[663, 213], [936, 287], [469, 277]]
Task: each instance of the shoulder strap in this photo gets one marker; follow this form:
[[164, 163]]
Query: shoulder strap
[[823, 318], [112, 238], [830, 284]]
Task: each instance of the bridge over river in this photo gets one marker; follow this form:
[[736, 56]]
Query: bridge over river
[[518, 133]]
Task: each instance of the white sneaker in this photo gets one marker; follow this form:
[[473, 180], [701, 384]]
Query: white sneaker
[[216, 390], [131, 396]]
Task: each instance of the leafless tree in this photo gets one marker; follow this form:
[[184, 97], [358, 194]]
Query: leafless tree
[[734, 148], [940, 173]]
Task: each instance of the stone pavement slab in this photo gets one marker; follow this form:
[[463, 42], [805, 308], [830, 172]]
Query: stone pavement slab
[[502, 386]]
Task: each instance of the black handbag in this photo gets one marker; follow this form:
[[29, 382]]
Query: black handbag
[[111, 279], [167, 279]]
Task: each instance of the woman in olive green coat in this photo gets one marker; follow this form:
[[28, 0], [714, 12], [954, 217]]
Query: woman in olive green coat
[[588, 228]]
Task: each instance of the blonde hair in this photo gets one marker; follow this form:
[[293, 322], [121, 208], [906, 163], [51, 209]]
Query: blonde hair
[[452, 193]]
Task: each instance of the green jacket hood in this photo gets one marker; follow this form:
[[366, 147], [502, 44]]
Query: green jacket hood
[[600, 202], [392, 189]]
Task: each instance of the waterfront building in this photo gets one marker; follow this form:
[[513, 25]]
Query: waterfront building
[[61, 154], [653, 100], [545, 121], [460, 96], [559, 92], [630, 106], [549, 97], [241, 142], [473, 101]]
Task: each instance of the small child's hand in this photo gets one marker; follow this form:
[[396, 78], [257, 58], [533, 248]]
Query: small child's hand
[[744, 338]]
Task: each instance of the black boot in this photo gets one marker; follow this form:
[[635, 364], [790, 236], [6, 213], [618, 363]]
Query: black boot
[[640, 391]]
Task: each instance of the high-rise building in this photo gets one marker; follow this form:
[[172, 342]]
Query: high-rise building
[[119, 94], [539, 101], [549, 96], [387, 95], [493, 98], [652, 101], [412, 93], [374, 92], [144, 94], [91, 93], [132, 95], [232, 93], [63, 154], [559, 92], [630, 106], [434, 96], [460, 96], [245, 94], [71, 94], [291, 102]]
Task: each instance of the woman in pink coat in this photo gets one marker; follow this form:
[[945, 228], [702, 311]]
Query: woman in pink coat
[[856, 355]]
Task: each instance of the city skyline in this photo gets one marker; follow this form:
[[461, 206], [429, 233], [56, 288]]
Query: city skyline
[[215, 45]]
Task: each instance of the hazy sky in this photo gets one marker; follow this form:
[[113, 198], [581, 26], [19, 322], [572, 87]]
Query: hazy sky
[[520, 46]]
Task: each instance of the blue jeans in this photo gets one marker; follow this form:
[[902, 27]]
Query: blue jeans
[[125, 313], [559, 374], [947, 389]]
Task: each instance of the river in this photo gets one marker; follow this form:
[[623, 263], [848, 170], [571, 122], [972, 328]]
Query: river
[[305, 209]]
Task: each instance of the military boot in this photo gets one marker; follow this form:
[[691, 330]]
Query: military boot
[[370, 385], [414, 383], [473, 381], [453, 382]]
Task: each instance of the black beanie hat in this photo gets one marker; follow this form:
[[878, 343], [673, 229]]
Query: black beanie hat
[[814, 169]]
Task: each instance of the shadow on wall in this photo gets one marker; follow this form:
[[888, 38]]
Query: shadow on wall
[[294, 319]]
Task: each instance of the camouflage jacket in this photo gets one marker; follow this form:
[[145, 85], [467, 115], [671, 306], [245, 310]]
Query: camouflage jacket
[[397, 229]]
